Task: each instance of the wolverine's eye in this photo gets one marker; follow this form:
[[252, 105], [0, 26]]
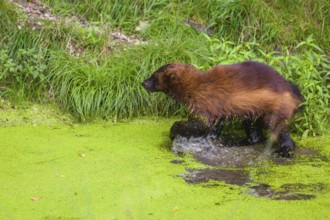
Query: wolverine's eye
[[169, 78], [155, 80]]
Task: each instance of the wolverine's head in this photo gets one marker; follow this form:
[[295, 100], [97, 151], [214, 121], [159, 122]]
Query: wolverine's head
[[167, 78]]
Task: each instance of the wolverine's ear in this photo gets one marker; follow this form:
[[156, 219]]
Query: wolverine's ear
[[173, 76]]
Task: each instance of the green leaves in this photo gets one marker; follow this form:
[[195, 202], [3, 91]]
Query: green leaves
[[24, 72]]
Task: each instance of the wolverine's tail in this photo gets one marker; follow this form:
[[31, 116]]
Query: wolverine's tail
[[297, 93]]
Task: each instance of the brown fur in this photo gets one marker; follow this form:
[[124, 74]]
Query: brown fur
[[244, 89]]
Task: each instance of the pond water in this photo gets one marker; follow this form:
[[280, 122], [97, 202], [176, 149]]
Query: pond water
[[131, 170]]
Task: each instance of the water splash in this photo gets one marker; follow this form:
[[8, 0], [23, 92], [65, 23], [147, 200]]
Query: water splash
[[214, 151]]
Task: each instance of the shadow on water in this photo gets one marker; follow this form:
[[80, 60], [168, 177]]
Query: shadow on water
[[235, 177], [238, 165], [287, 191]]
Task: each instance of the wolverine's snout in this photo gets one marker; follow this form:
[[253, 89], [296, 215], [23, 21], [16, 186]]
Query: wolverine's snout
[[149, 85]]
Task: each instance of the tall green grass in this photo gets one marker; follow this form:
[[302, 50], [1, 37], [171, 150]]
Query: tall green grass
[[39, 64]]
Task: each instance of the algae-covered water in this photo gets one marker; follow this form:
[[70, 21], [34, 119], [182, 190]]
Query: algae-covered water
[[52, 170]]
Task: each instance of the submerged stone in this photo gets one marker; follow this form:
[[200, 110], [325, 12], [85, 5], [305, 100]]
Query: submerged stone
[[192, 128], [212, 148]]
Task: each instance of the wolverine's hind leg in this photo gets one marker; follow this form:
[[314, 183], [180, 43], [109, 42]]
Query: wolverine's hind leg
[[279, 132], [286, 144]]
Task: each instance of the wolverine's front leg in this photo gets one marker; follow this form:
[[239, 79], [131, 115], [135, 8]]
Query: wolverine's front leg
[[217, 127], [253, 130]]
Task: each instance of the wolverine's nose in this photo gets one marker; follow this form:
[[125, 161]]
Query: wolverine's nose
[[149, 85], [146, 85]]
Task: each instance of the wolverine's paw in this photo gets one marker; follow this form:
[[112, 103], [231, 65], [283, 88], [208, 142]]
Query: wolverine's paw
[[256, 139], [284, 152]]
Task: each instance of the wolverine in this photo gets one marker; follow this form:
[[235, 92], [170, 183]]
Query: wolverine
[[249, 90]]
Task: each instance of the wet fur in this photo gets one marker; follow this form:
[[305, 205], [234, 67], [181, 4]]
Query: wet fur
[[247, 89]]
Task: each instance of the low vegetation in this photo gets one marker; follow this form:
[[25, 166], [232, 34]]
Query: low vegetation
[[81, 65]]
